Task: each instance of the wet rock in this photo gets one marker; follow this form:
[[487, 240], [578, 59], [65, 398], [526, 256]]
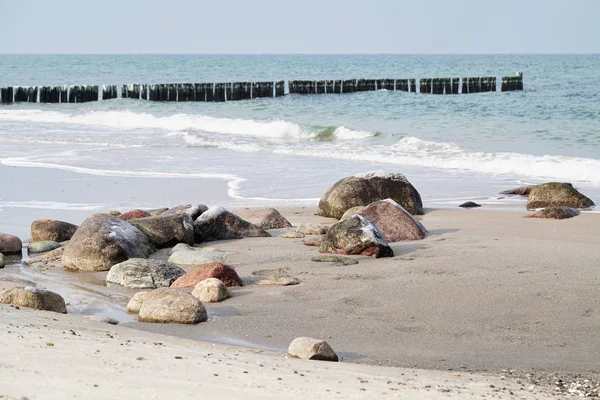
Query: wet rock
[[219, 224], [224, 273], [470, 204], [193, 210], [166, 305], [139, 273], [393, 221], [329, 258], [103, 241], [10, 244], [135, 303], [356, 236], [292, 235], [364, 189], [167, 230], [51, 229], [211, 290], [264, 218], [50, 259], [42, 246], [134, 214], [198, 257], [1, 260], [278, 281], [313, 241], [554, 212], [557, 194], [520, 191], [307, 348], [312, 229], [38, 299]]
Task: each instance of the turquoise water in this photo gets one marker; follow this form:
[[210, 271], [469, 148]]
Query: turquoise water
[[293, 148]]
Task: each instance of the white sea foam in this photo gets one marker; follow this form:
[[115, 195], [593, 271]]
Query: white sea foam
[[50, 205]]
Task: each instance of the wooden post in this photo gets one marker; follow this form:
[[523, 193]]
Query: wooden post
[[320, 87], [413, 85], [349, 86], [455, 85], [337, 86], [329, 86], [279, 88], [143, 90]]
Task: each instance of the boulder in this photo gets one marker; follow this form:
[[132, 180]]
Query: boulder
[[555, 212], [198, 257], [520, 191], [469, 204], [31, 297], [224, 273], [134, 214], [50, 259], [557, 194], [135, 303], [139, 273], [157, 211], [103, 241], [1, 260], [356, 236], [393, 221], [307, 348], [42, 246], [292, 235], [211, 290], [219, 224], [264, 218], [364, 189], [308, 228], [166, 305], [331, 258], [51, 229], [313, 241], [10, 244], [167, 230], [193, 210]]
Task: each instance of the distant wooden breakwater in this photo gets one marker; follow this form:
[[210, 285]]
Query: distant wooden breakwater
[[232, 91]]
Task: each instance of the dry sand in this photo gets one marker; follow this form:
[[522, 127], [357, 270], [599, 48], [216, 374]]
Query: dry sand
[[487, 291]]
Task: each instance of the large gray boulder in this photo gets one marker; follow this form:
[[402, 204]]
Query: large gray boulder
[[51, 229], [31, 297], [10, 244], [219, 224], [103, 241], [193, 210], [171, 306], [167, 230], [392, 219], [308, 348], [264, 218], [557, 194], [356, 236], [364, 189], [139, 273]]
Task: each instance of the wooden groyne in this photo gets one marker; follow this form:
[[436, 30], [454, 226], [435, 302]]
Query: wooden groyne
[[234, 91]]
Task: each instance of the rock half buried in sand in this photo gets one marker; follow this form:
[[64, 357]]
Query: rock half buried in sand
[[392, 219], [193, 210], [308, 228], [224, 273], [140, 273], [51, 229], [264, 218], [279, 281], [470, 204], [31, 297], [50, 259], [198, 257], [219, 224], [103, 241], [134, 214], [211, 290], [307, 348], [313, 241], [167, 230], [10, 244], [520, 191], [135, 303], [292, 235], [364, 189], [555, 212], [557, 194], [356, 236], [172, 306], [330, 258], [42, 246]]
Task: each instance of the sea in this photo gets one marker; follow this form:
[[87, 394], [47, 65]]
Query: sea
[[289, 150]]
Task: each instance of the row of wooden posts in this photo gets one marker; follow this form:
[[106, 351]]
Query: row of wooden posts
[[219, 92]]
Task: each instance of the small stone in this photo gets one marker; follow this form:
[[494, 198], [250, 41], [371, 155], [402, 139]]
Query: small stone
[[469, 204], [554, 212], [10, 244], [279, 281], [211, 290], [292, 235], [307, 348], [135, 303], [313, 241], [166, 305], [224, 273], [42, 246], [39, 299], [334, 259], [312, 229]]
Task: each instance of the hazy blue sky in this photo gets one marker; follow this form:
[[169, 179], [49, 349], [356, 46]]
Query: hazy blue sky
[[307, 26]]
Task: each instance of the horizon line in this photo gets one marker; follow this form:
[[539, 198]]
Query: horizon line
[[302, 54]]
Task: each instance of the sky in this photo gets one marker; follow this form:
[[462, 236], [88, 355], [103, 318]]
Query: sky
[[300, 26]]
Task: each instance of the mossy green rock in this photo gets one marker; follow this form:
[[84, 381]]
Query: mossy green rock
[[42, 246], [557, 194]]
